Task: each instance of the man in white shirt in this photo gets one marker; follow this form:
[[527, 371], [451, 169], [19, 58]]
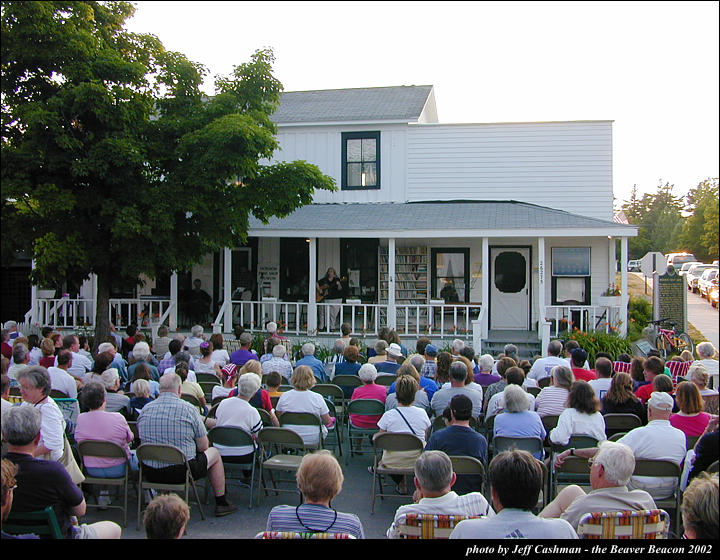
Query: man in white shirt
[[604, 371], [80, 364], [542, 366], [434, 477], [516, 479], [60, 379], [657, 440], [441, 399]]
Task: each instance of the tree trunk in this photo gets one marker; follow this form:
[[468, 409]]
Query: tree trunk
[[102, 315]]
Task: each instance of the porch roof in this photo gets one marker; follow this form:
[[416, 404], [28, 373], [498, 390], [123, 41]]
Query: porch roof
[[436, 219]]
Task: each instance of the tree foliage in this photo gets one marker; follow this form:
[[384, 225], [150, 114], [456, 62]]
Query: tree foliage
[[700, 230], [113, 160]]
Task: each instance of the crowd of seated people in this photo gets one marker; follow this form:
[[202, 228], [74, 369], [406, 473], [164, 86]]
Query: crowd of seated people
[[573, 393]]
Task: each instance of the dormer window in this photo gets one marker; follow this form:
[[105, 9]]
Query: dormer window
[[360, 160]]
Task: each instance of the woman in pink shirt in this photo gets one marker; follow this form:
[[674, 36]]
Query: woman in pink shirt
[[368, 390], [104, 426], [691, 419]]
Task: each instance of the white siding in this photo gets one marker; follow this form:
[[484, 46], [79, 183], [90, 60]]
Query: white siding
[[566, 165], [321, 145]]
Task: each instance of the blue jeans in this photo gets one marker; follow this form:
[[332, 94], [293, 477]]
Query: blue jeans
[[117, 471]]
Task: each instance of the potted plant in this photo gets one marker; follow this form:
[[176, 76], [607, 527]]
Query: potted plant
[[610, 297], [45, 292]]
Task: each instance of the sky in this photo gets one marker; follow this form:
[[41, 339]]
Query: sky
[[651, 67]]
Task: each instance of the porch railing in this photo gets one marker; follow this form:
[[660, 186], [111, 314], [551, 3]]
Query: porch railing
[[605, 318], [67, 313]]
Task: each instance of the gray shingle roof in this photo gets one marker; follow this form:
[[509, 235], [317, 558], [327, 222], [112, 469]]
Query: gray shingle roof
[[359, 104], [432, 216]]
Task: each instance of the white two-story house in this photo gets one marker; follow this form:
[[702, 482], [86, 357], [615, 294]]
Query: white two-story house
[[490, 231]]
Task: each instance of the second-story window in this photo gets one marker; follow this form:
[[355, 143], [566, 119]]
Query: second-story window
[[360, 160]]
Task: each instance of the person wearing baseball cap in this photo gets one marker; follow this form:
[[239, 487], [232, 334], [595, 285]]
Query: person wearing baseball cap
[[429, 369], [578, 357], [658, 440]]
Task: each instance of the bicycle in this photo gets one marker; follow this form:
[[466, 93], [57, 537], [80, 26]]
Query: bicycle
[[669, 340]]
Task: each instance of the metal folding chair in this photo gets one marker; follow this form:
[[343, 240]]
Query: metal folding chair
[[620, 422], [665, 469], [232, 436], [643, 524], [361, 407], [389, 441], [279, 441], [41, 523]]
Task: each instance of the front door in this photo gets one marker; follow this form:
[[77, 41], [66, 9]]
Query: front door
[[510, 288]]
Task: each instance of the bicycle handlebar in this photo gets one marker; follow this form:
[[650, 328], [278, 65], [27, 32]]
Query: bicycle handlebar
[[659, 321]]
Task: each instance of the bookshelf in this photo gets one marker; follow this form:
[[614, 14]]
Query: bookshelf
[[411, 279]]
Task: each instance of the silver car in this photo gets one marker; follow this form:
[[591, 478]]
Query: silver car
[[693, 275], [705, 281], [685, 267]]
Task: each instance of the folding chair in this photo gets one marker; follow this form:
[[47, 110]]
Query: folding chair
[[530, 444], [347, 381], [289, 419], [438, 423], [165, 454], [207, 387], [666, 469], [389, 441], [192, 399], [617, 422], [207, 378], [41, 523], [621, 367], [643, 524], [361, 407], [290, 535], [574, 470], [232, 436], [690, 442], [334, 430], [58, 394], [385, 379], [617, 436], [336, 396], [711, 404], [534, 391], [465, 465], [428, 526], [277, 439], [265, 417], [108, 450], [544, 382], [135, 443]]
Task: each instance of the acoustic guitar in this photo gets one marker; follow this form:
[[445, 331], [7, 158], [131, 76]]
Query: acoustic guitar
[[322, 293]]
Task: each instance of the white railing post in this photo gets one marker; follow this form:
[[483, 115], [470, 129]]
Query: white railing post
[[173, 317], [477, 335], [391, 310], [312, 288]]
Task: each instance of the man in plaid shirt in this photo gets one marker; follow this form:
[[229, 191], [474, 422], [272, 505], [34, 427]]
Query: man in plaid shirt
[[170, 420]]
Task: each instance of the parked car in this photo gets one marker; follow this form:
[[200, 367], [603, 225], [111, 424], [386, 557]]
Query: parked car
[[713, 294], [693, 275], [705, 281], [678, 259], [634, 265], [685, 267]]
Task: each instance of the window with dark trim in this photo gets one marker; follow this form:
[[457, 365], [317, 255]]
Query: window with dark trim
[[570, 276], [360, 160], [450, 274]]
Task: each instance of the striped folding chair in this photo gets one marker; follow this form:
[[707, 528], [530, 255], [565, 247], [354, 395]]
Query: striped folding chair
[[290, 535], [643, 524], [428, 526]]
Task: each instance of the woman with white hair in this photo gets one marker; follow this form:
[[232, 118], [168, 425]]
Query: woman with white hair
[[699, 375], [141, 389], [368, 390], [485, 377], [239, 413], [707, 355], [116, 402], [380, 352], [141, 353], [516, 421], [552, 400], [35, 390]]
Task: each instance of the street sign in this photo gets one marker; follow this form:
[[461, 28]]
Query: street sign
[[653, 262]]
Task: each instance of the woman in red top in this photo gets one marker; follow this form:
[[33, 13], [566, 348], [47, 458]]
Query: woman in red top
[[652, 367], [47, 347], [691, 419], [368, 390]]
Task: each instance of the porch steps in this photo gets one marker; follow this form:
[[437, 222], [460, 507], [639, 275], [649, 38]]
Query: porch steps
[[527, 342]]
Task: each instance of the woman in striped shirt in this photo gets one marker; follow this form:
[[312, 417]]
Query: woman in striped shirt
[[319, 479], [553, 399]]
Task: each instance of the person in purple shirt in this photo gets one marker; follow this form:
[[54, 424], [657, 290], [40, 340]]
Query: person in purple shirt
[[239, 357], [486, 377], [308, 359]]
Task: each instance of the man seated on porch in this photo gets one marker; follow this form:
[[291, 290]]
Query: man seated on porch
[[244, 353], [394, 359], [458, 375], [610, 471], [309, 359], [542, 366], [118, 362], [579, 357], [434, 478]]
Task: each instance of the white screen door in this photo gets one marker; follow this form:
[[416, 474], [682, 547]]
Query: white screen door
[[510, 288]]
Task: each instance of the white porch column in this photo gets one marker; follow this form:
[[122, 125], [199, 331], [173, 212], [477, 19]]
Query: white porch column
[[172, 320], [485, 286], [391, 313], [312, 286], [541, 290], [611, 261], [227, 290], [34, 314], [624, 298], [93, 310]]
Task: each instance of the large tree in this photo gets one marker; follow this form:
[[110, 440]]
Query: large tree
[[700, 230], [114, 163]]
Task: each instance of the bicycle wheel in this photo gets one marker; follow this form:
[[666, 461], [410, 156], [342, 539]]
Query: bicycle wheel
[[661, 345], [684, 342]]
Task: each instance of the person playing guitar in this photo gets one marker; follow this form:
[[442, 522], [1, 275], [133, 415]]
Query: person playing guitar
[[329, 289]]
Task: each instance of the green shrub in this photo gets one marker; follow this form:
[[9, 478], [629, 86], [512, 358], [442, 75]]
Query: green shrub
[[594, 342], [639, 315], [321, 352]]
